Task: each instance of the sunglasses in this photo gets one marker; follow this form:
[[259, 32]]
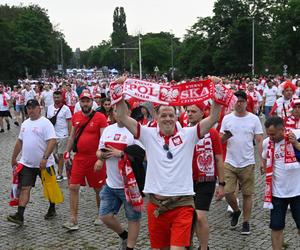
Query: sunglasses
[[169, 154]]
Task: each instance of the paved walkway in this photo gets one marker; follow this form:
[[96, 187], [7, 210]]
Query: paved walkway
[[40, 234]]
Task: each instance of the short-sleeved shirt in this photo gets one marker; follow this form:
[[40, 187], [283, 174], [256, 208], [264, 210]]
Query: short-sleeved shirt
[[61, 125], [240, 149], [7, 98], [120, 138], [169, 177], [89, 140], [270, 94], [34, 136]]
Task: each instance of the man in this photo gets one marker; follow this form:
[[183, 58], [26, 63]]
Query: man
[[239, 129], [28, 93], [87, 127], [62, 128], [207, 166], [114, 140], [282, 177], [36, 141], [257, 99], [293, 121], [169, 173], [269, 98], [47, 97], [282, 106], [4, 108], [71, 97]]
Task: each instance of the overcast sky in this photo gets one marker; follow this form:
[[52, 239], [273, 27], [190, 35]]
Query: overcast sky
[[88, 22]]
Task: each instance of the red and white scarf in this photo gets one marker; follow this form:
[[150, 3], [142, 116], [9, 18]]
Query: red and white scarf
[[292, 123], [131, 188], [290, 162], [203, 159], [4, 103], [15, 186], [176, 95]]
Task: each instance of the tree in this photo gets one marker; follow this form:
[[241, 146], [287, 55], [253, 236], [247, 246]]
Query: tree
[[119, 34]]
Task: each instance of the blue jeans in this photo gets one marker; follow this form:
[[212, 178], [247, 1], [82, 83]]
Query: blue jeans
[[278, 213], [112, 200], [267, 111]]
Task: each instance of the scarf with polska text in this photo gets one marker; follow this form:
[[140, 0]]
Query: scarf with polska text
[[290, 162], [176, 95], [131, 188]]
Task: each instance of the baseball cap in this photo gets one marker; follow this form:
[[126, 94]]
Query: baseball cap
[[86, 95], [241, 94], [32, 103]]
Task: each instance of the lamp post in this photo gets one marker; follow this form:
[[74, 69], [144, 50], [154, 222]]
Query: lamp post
[[140, 54], [253, 46], [172, 56]]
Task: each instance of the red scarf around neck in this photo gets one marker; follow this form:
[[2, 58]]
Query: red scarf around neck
[[4, 99], [131, 188], [290, 161]]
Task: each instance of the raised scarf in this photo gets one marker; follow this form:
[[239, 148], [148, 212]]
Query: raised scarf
[[290, 162], [131, 188]]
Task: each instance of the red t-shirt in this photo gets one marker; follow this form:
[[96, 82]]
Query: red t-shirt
[[217, 150], [89, 139]]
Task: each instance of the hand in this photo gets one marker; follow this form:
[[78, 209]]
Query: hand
[[220, 193], [14, 162], [113, 152], [215, 79], [67, 157], [262, 169], [43, 163], [98, 165], [292, 138]]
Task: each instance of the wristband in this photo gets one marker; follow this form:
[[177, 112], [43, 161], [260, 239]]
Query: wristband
[[223, 183], [66, 155]]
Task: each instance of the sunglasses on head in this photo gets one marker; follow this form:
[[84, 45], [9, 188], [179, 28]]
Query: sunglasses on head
[[169, 154]]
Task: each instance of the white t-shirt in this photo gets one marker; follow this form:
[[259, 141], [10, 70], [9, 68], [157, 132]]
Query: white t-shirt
[[271, 95], [61, 125], [119, 138], [240, 149], [34, 136], [78, 108], [28, 95], [169, 177], [48, 97], [2, 107], [285, 182]]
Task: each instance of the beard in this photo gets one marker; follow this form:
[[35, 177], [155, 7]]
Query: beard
[[86, 110]]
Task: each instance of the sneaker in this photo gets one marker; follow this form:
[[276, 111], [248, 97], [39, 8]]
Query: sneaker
[[16, 218], [98, 222], [59, 178], [123, 244], [8, 126], [245, 228], [235, 218], [17, 124], [50, 214], [2, 130], [71, 226]]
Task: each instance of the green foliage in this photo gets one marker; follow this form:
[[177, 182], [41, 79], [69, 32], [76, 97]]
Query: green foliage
[[119, 34], [28, 40]]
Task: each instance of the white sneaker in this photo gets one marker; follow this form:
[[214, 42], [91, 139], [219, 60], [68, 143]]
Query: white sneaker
[[98, 222], [71, 226]]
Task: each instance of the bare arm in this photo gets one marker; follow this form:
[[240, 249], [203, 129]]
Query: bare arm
[[70, 140], [207, 123], [16, 152], [220, 170], [69, 126], [50, 147], [128, 122], [259, 141]]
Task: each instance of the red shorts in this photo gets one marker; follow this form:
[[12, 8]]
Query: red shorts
[[172, 228], [83, 169]]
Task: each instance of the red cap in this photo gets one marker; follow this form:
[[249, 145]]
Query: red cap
[[85, 95]]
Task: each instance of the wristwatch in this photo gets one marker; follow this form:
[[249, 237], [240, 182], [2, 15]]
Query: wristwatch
[[45, 158], [121, 154], [222, 183]]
